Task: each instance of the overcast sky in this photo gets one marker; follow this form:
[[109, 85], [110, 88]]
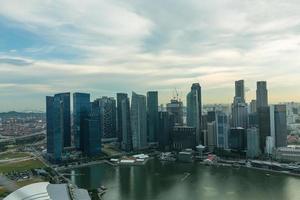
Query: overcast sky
[[104, 47]]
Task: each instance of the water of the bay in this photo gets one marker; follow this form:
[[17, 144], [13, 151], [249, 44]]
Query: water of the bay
[[179, 181]]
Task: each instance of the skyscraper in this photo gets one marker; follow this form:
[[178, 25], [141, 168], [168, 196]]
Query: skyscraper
[[252, 106], [239, 107], [126, 143], [261, 94], [120, 98], [166, 123], [138, 121], [81, 109], [58, 124], [252, 142], [91, 138], [194, 110], [240, 90], [50, 124], [263, 114], [175, 107], [280, 126], [108, 118], [64, 100], [237, 139], [152, 113], [222, 129]]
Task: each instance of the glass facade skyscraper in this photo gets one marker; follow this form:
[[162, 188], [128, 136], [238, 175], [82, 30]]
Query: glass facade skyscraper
[[120, 98], [81, 109], [108, 117], [138, 121], [58, 124], [92, 135], [194, 110], [152, 113], [126, 131]]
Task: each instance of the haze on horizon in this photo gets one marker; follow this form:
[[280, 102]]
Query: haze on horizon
[[104, 47]]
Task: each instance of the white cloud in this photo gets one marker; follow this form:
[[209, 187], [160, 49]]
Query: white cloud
[[143, 45]]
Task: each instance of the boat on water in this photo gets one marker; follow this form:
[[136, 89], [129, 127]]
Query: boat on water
[[236, 165], [167, 156]]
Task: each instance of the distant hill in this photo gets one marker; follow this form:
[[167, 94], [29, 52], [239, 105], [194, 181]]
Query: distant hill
[[14, 114]]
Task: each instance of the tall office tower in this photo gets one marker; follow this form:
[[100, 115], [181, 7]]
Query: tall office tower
[[278, 123], [58, 124], [120, 98], [64, 99], [211, 135], [261, 94], [239, 107], [239, 114], [108, 117], [204, 129], [263, 116], [138, 121], [165, 127], [81, 109], [263, 113], [194, 110], [252, 106], [49, 122], [211, 116], [237, 139], [183, 137], [222, 129], [126, 132], [91, 134], [252, 142], [252, 120], [152, 113], [175, 107], [240, 90]]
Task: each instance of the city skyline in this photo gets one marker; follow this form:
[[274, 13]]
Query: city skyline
[[141, 46]]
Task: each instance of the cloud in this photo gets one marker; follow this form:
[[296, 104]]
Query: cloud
[[15, 61], [110, 46]]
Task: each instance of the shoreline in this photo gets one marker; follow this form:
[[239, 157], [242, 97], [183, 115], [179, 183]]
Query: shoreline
[[253, 168]]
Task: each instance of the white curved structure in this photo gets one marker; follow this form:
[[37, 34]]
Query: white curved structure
[[47, 191]]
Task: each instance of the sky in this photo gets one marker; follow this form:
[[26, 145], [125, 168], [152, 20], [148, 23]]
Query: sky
[[105, 47]]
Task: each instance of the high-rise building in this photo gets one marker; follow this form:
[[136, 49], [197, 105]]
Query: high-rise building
[[58, 124], [175, 107], [239, 107], [211, 135], [263, 117], [237, 139], [166, 123], [120, 98], [278, 125], [194, 110], [81, 109], [252, 106], [183, 137], [240, 90], [261, 94], [50, 124], [91, 134], [126, 132], [138, 121], [222, 129], [108, 117], [252, 120], [152, 113], [253, 149]]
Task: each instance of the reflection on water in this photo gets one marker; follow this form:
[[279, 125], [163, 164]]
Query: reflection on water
[[157, 181]]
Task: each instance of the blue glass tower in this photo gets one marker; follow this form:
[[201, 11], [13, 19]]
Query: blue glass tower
[[81, 109]]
